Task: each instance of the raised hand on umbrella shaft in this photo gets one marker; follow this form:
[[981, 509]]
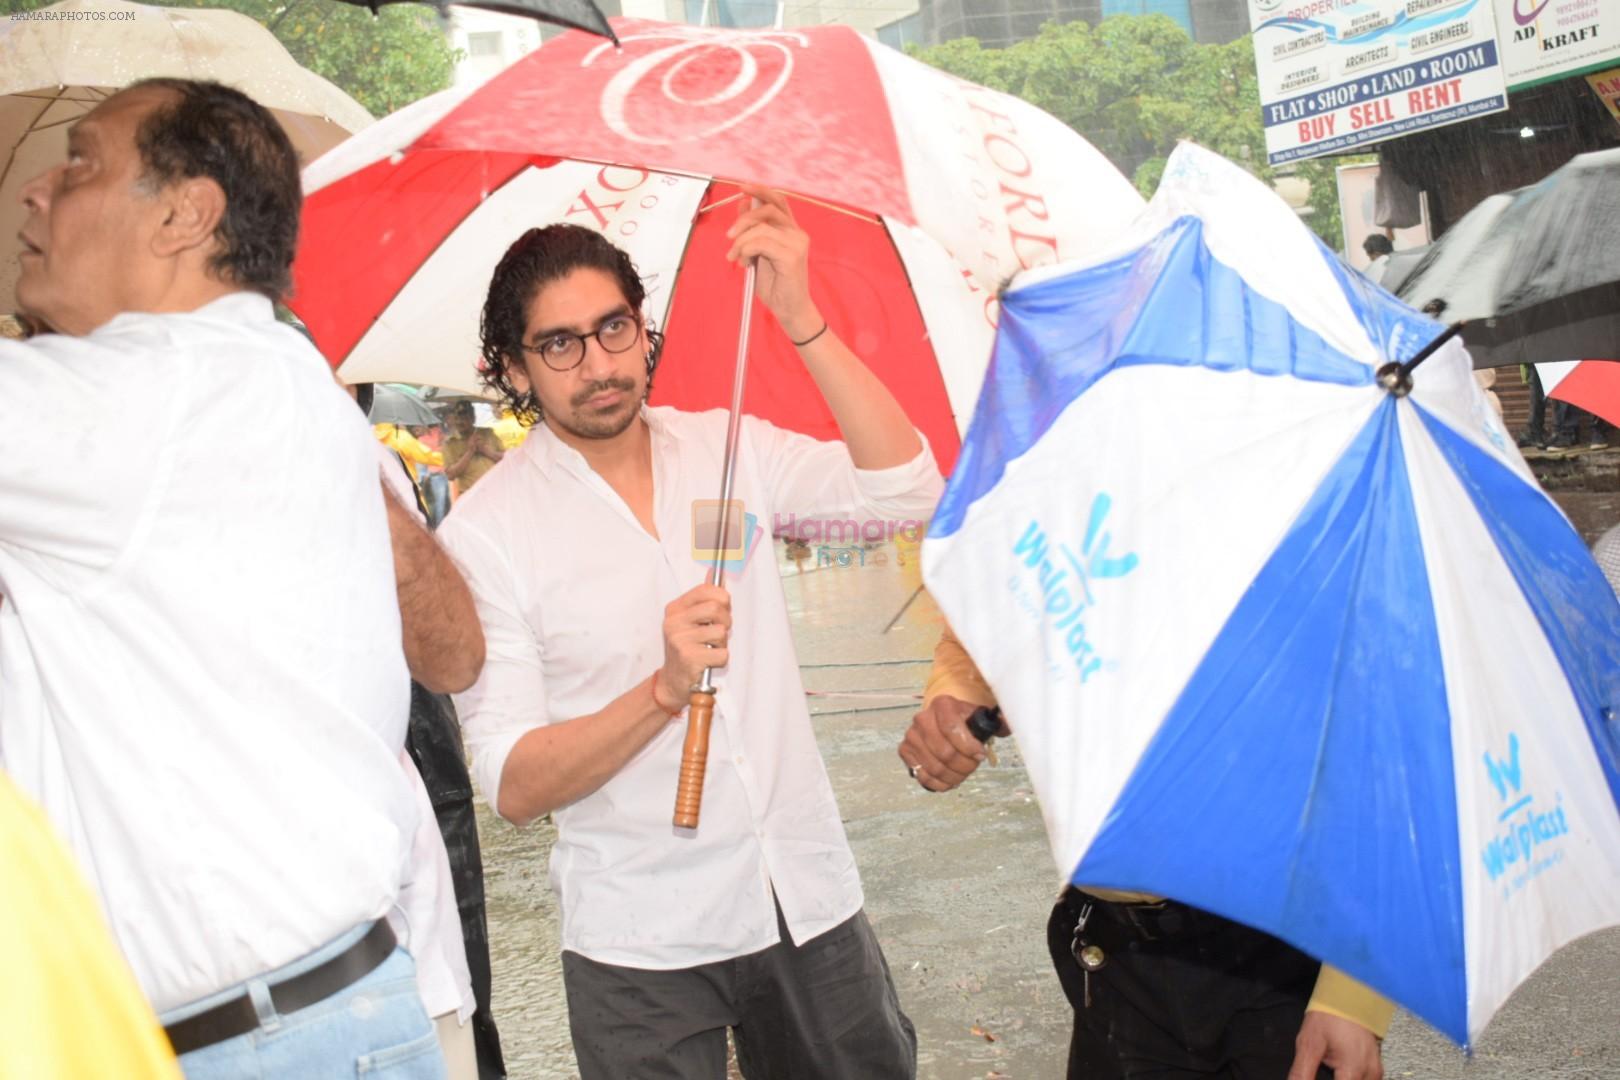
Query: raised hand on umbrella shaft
[[767, 232], [873, 424]]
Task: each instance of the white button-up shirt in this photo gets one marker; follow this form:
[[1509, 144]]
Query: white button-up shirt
[[571, 590], [201, 671]]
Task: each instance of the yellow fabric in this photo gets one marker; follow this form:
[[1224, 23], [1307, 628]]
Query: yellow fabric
[[416, 489], [69, 1007], [509, 431], [407, 446], [955, 674], [1339, 995]]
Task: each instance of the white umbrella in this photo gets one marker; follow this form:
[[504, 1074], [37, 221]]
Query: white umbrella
[[57, 63]]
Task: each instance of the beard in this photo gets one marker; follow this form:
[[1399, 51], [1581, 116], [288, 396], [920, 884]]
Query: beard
[[586, 422]]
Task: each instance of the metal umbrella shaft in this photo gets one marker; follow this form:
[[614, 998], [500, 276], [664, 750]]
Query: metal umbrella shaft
[[695, 751], [1396, 377]]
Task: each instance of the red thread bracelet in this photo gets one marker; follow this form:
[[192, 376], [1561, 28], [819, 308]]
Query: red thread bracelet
[[652, 688]]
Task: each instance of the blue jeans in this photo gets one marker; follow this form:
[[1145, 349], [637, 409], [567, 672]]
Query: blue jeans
[[374, 1029]]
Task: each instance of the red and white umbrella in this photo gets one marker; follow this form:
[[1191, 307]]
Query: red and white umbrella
[[1593, 385], [922, 194]]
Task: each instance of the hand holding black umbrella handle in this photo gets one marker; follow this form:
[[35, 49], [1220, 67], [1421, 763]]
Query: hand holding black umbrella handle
[[695, 751], [984, 723]]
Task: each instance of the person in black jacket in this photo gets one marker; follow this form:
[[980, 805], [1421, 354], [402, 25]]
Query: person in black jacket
[[444, 648]]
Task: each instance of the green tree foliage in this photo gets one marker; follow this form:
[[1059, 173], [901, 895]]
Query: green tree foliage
[[383, 61], [1134, 86]]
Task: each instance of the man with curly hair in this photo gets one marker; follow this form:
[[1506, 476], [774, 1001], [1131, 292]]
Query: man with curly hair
[[579, 548]]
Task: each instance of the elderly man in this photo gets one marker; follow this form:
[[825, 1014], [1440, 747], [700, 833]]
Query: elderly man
[[202, 676]]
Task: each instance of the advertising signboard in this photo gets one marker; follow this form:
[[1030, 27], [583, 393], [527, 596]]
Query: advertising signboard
[[1548, 39], [1337, 74]]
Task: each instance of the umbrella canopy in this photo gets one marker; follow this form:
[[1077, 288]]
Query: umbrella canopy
[[1593, 385], [898, 167], [56, 65], [393, 406], [1586, 323], [1275, 641], [442, 395], [1547, 254], [1449, 270], [1400, 266], [578, 14]]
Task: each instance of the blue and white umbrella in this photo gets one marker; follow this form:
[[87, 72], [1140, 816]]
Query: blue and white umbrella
[[1275, 641]]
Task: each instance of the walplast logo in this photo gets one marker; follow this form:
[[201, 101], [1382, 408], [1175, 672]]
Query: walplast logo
[[1526, 846], [1065, 581], [724, 531]]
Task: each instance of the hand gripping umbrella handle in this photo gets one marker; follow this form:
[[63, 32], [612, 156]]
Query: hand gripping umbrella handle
[[694, 760]]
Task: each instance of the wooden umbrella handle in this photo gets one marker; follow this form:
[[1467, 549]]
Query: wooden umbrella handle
[[694, 760]]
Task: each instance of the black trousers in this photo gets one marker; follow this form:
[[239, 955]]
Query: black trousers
[[434, 741], [1183, 994], [824, 1010]]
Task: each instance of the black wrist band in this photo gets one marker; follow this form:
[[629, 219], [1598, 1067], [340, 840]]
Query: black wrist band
[[812, 337]]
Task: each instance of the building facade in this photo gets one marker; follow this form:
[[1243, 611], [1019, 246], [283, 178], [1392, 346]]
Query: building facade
[[1460, 165], [489, 42], [999, 23]]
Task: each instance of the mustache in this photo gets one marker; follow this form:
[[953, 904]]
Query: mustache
[[628, 386]]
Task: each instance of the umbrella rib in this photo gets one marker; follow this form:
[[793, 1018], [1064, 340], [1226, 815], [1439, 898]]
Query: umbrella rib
[[680, 265], [1311, 800], [63, 95], [11, 158], [37, 128], [858, 216]]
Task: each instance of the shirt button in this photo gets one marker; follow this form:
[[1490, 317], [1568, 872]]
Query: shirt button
[[739, 759]]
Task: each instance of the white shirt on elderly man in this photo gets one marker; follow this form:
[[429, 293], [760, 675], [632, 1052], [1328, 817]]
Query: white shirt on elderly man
[[201, 671], [571, 591]]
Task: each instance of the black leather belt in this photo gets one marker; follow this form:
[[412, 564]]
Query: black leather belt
[[238, 1016], [1147, 921]]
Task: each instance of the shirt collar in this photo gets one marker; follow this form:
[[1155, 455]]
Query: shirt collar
[[236, 307], [241, 306]]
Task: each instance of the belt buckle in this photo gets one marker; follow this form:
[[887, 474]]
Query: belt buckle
[[239, 1016]]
